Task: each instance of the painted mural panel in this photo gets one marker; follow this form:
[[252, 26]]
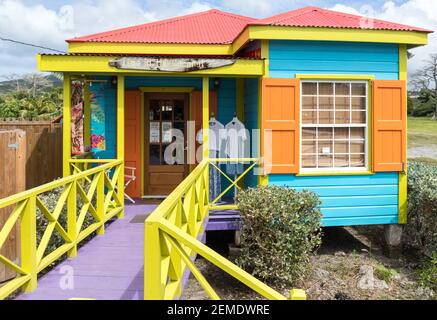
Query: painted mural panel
[[97, 102]]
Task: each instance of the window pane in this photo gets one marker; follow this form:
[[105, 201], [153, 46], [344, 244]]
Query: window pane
[[309, 117], [309, 88], [167, 110], [309, 103], [342, 117], [357, 160], [309, 133], [341, 133], [342, 89], [357, 133], [325, 147], [342, 103], [326, 88], [309, 161], [357, 146], [154, 110], [309, 147], [154, 152], [341, 161], [325, 133], [358, 89], [325, 161], [358, 117], [326, 103], [358, 103], [326, 117], [341, 147]]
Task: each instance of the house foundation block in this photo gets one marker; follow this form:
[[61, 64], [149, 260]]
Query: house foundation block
[[393, 240]]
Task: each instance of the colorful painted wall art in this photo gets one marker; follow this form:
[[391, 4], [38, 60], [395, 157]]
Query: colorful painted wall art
[[97, 101], [77, 118]]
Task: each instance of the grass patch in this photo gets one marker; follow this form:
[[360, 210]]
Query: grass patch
[[422, 132], [383, 273]]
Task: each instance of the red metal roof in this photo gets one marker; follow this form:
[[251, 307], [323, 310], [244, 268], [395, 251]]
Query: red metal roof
[[218, 27], [318, 17], [209, 27]]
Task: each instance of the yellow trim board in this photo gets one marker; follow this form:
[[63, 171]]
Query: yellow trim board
[[149, 48], [335, 173], [335, 77], [100, 64], [167, 89], [403, 198], [335, 34], [403, 176]]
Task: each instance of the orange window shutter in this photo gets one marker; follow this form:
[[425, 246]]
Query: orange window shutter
[[389, 125], [280, 125], [132, 132]]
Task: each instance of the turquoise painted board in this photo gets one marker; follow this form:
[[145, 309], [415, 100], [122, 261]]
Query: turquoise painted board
[[350, 200], [251, 121], [288, 58]]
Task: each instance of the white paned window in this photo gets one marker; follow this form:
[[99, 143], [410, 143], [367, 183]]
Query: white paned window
[[334, 125]]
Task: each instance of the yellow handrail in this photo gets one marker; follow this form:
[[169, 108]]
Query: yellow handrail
[[85, 185], [172, 239]]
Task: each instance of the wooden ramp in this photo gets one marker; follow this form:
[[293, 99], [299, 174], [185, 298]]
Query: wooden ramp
[[109, 267]]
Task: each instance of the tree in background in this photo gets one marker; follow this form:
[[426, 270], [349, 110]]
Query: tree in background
[[33, 98], [425, 82]]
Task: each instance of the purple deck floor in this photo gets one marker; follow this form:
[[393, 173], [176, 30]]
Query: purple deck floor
[[109, 267]]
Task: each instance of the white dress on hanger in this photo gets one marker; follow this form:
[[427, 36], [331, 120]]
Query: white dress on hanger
[[236, 137]]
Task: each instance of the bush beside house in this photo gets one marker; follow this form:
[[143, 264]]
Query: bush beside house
[[281, 228]]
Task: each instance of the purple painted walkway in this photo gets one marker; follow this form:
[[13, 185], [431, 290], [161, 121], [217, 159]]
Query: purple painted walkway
[[109, 267]]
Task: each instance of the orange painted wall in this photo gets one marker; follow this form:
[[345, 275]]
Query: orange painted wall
[[132, 132]]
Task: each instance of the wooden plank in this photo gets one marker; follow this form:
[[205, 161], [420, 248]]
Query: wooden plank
[[44, 150], [12, 178]]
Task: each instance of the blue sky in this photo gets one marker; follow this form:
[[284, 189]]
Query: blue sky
[[50, 22]]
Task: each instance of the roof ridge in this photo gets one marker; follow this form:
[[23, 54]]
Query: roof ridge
[[303, 10], [148, 25]]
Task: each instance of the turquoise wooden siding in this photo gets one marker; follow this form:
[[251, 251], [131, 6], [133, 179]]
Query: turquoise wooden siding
[[350, 200], [288, 58], [251, 122]]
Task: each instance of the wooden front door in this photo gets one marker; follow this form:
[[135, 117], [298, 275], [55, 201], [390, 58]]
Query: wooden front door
[[164, 111]]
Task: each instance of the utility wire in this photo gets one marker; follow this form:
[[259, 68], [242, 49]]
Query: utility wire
[[31, 45]]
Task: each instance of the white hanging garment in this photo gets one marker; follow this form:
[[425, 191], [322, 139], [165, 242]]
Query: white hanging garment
[[236, 136], [217, 135]]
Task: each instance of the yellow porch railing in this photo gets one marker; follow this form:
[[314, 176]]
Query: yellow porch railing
[[95, 188], [172, 240]]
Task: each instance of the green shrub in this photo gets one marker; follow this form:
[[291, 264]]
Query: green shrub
[[281, 227], [50, 199], [428, 273], [421, 229]]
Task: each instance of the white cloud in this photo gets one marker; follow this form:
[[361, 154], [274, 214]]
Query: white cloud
[[418, 13], [40, 25]]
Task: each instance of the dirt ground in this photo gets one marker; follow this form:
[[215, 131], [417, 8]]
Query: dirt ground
[[334, 272]]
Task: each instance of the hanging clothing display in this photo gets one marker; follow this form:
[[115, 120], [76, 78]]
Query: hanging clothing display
[[97, 102], [217, 138], [77, 121], [236, 136]]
